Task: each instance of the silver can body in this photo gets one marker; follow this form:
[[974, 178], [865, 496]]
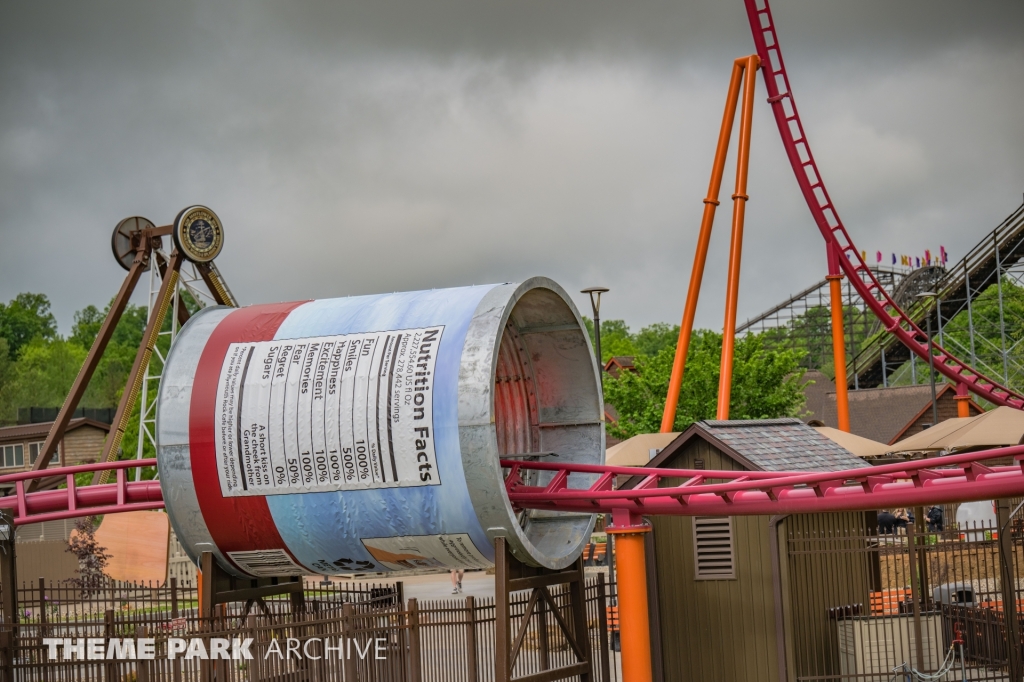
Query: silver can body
[[364, 434]]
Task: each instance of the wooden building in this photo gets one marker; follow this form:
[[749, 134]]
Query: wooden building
[[20, 445], [886, 415], [719, 594]]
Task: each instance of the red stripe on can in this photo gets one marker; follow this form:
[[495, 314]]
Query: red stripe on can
[[235, 523]]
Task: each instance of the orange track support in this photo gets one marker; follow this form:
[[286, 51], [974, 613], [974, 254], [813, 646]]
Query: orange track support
[[703, 240], [835, 277], [635, 630], [835, 287], [963, 401], [739, 206]]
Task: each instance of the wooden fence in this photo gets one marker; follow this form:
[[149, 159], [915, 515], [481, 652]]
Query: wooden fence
[[349, 633]]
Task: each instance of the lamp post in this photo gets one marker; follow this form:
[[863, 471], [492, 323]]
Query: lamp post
[[595, 305], [931, 356]]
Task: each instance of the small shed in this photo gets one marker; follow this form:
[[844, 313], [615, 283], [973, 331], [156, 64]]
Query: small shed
[[717, 610]]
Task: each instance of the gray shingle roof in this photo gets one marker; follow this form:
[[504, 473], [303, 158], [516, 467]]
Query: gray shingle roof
[[781, 445]]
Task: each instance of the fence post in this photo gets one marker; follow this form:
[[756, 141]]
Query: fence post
[[8, 593], [110, 668], [42, 621], [915, 594], [474, 675], [502, 613], [174, 597], [578, 604], [348, 630], [1009, 589], [415, 669], [42, 603], [141, 665], [602, 624], [219, 666], [256, 669]]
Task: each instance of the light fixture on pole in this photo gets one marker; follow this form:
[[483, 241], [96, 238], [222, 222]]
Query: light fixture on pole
[[595, 305], [931, 355]]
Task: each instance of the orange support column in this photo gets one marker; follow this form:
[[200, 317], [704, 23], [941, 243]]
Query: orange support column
[[736, 247], [675, 383], [838, 340], [634, 619], [963, 401]]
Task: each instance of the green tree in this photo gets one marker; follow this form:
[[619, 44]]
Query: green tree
[[87, 325], [615, 338], [654, 338], [766, 384], [26, 318], [43, 374]]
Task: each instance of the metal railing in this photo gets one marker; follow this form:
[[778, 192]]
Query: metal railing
[[381, 639], [862, 603]]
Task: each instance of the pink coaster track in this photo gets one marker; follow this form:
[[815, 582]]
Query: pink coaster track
[[953, 478], [780, 96], [74, 501]]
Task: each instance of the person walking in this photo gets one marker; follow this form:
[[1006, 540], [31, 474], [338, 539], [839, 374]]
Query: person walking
[[456, 574]]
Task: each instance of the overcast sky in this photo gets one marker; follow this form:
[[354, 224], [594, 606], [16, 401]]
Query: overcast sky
[[355, 148]]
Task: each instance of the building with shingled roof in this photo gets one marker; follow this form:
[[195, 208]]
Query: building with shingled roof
[[713, 579], [886, 415]]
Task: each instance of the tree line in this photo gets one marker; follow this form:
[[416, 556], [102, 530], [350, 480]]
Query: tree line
[[38, 365], [767, 383]]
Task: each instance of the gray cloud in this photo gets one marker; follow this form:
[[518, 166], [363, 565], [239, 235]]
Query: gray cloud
[[361, 147]]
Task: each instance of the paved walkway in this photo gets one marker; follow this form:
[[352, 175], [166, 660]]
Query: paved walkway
[[436, 587]]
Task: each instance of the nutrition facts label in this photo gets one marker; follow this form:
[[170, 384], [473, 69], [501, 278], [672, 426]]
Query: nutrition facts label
[[345, 412]]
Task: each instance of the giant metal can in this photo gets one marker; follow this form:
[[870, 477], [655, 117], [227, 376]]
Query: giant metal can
[[364, 434]]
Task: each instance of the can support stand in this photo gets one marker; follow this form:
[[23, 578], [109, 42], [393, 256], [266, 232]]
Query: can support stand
[[511, 575], [217, 586]]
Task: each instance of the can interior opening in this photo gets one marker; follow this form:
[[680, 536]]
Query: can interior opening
[[546, 400]]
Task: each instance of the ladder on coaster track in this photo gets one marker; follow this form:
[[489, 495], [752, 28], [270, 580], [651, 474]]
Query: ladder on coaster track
[[896, 322]]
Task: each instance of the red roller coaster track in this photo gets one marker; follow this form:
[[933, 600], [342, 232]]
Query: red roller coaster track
[[74, 501], [780, 96], [953, 478]]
